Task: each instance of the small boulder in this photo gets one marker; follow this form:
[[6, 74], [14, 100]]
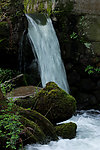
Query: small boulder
[[66, 130], [23, 92]]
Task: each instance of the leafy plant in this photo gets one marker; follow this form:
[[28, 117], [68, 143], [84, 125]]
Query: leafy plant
[[10, 126], [90, 69], [6, 87], [75, 35], [6, 74], [87, 44], [1, 40]]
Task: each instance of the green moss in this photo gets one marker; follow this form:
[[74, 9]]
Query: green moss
[[45, 125], [39, 136], [66, 130], [55, 103], [31, 6], [27, 137], [50, 86], [52, 102], [26, 103], [3, 23]]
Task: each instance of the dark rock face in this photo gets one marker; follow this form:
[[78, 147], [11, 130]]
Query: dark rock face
[[11, 28], [87, 101], [75, 32]]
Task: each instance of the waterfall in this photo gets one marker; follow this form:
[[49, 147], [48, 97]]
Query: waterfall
[[45, 44]]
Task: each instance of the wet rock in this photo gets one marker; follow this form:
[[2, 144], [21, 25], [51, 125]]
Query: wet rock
[[98, 84], [23, 92], [87, 84], [55, 103], [31, 128], [73, 78], [52, 102], [86, 101], [37, 124], [66, 130], [97, 95]]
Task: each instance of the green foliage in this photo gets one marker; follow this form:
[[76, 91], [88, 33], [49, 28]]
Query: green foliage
[[82, 39], [82, 34], [47, 7], [6, 74], [10, 9], [87, 45], [6, 87], [31, 6], [74, 35], [10, 126], [1, 40], [90, 69]]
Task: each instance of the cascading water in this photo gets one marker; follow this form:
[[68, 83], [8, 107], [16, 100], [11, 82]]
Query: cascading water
[[45, 43], [87, 138]]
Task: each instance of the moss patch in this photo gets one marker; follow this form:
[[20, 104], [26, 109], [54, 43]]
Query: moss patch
[[55, 103], [37, 134], [44, 124], [66, 130]]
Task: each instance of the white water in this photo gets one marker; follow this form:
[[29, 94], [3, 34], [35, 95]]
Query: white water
[[47, 49], [88, 134]]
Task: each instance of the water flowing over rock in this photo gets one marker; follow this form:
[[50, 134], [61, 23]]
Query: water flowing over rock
[[46, 47]]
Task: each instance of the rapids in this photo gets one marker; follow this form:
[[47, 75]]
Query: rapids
[[87, 138]]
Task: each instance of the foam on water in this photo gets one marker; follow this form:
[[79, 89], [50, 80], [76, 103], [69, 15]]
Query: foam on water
[[87, 138]]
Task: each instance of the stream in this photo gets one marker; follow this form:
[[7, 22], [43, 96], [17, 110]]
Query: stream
[[87, 137]]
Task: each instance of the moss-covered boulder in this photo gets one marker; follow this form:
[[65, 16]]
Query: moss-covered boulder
[[52, 102], [31, 133], [39, 126], [55, 103], [66, 130]]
